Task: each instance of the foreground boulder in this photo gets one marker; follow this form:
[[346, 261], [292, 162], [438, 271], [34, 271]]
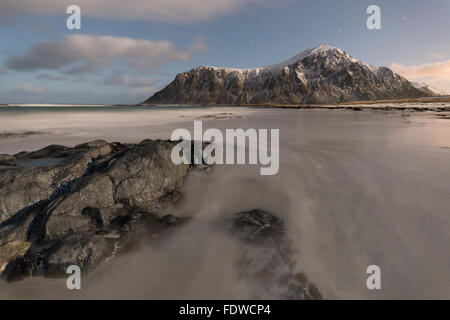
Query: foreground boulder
[[63, 206], [28, 178]]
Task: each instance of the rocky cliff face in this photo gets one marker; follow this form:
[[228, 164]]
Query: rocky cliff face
[[321, 75]]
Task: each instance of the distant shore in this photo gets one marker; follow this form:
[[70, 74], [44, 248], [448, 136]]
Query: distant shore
[[54, 105], [420, 104]]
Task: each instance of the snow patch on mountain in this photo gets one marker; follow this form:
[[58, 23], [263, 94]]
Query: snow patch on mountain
[[321, 75], [425, 88], [325, 50]]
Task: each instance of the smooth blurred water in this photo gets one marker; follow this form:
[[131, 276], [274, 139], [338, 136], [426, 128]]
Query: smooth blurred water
[[355, 188]]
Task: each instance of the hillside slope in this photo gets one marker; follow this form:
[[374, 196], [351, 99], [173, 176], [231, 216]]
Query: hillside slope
[[324, 74]]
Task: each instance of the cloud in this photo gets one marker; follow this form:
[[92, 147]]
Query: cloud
[[436, 74], [141, 93], [139, 89], [78, 54], [436, 55], [86, 66], [143, 83], [28, 88], [123, 80], [117, 80], [46, 76], [175, 11]]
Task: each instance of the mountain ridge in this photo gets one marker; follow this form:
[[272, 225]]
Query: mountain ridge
[[427, 89], [321, 75]]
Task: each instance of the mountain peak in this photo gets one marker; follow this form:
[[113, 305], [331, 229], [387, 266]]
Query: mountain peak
[[321, 49], [324, 74]]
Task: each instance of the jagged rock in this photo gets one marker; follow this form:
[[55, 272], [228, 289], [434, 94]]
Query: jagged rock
[[257, 226], [266, 260], [84, 250], [22, 225], [136, 177], [10, 251], [6, 159], [35, 176], [321, 75], [81, 209]]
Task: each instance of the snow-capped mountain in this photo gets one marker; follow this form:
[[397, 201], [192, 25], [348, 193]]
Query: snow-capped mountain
[[428, 90], [324, 74]]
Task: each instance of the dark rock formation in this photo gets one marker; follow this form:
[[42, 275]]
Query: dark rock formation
[[266, 260], [316, 76], [82, 206], [62, 206]]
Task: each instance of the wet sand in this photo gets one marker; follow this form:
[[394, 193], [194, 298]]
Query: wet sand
[[356, 188]]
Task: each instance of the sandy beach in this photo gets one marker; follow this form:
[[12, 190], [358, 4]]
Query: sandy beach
[[355, 188]]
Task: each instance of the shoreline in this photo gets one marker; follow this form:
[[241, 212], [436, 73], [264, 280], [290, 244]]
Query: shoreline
[[352, 107], [426, 104], [395, 104]]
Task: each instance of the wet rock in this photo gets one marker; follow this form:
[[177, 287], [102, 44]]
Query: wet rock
[[136, 177], [92, 144], [81, 210], [26, 183], [10, 251], [355, 108], [21, 226], [6, 159], [85, 250], [171, 220], [258, 227], [266, 258]]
